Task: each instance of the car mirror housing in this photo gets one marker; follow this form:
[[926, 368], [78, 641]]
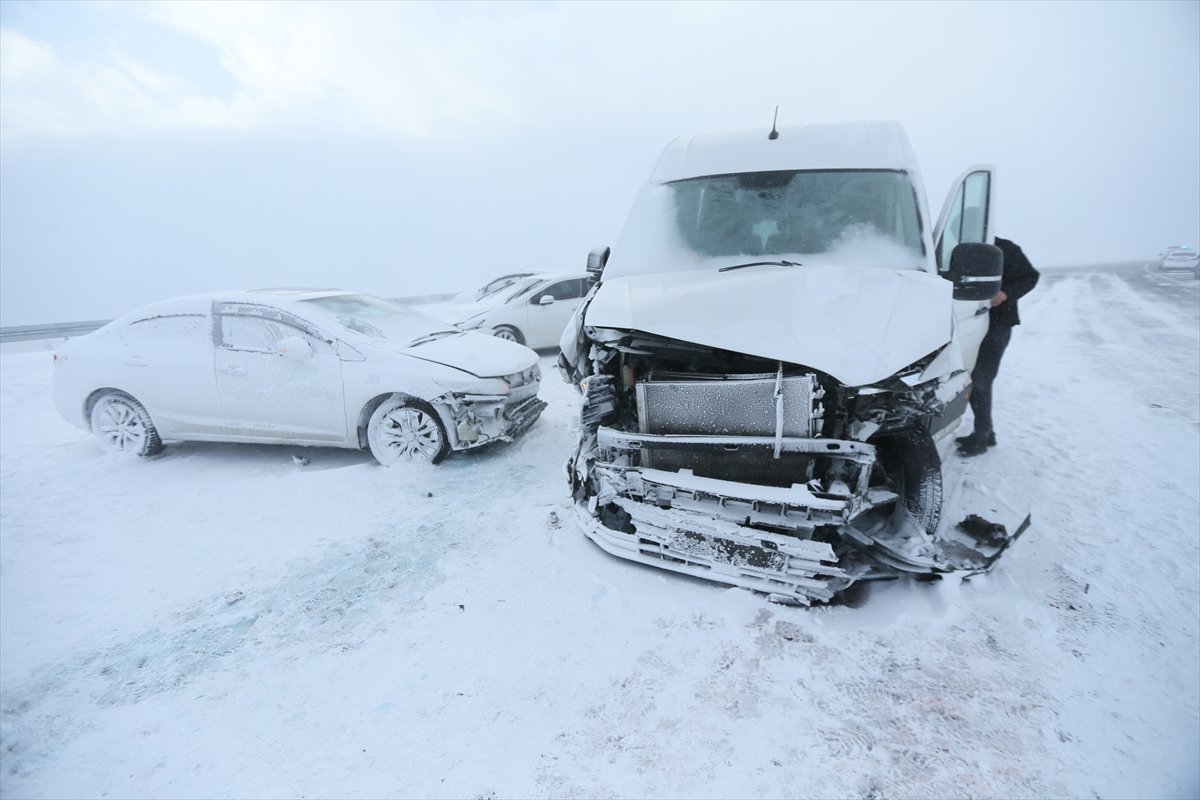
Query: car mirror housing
[[976, 270], [546, 300], [595, 264], [293, 348]]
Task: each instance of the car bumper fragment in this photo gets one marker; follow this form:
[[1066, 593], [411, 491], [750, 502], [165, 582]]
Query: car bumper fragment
[[521, 416], [693, 544]]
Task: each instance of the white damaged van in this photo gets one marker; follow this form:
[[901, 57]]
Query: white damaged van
[[769, 356]]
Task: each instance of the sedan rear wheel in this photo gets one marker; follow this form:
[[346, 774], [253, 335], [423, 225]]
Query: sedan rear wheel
[[402, 432], [123, 426]]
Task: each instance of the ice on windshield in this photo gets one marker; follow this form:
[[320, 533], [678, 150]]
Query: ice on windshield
[[858, 217], [376, 318]]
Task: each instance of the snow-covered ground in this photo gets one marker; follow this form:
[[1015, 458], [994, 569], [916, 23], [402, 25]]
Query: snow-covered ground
[[220, 621]]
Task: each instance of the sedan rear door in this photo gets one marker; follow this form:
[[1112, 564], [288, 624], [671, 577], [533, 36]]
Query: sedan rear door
[[166, 363]]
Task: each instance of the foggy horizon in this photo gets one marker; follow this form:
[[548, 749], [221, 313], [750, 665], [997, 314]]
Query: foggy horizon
[[158, 149]]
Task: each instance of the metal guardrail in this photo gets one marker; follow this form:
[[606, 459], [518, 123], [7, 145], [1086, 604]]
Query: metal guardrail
[[58, 330], [65, 330]]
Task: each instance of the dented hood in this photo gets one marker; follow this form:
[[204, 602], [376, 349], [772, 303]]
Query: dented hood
[[481, 355], [858, 324]]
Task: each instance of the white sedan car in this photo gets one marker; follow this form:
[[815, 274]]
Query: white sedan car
[[296, 366], [532, 310]]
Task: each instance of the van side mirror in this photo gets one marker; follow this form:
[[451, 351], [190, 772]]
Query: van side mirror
[[976, 270], [595, 264]]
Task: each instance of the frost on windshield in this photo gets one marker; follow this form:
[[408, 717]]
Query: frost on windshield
[[850, 217], [376, 317]]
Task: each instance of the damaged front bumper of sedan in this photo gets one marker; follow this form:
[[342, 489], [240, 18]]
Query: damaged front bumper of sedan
[[474, 420]]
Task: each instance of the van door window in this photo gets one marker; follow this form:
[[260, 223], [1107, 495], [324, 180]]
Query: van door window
[[968, 217]]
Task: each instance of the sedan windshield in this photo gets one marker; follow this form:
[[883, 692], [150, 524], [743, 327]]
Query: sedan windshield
[[863, 217], [376, 318]]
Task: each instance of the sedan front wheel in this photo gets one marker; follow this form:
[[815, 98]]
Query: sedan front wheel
[[508, 334], [402, 432]]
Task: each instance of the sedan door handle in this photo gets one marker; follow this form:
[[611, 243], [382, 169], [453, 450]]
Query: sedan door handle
[[237, 370], [134, 361]]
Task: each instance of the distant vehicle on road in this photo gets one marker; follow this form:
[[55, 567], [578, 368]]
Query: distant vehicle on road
[[1180, 258], [532, 310], [296, 366]]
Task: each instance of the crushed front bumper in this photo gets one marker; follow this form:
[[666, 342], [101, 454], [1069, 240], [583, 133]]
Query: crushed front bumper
[[792, 543]]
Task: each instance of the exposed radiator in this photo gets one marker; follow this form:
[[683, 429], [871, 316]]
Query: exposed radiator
[[724, 405]]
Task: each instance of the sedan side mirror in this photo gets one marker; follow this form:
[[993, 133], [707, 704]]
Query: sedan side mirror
[[976, 270], [546, 300], [293, 348]]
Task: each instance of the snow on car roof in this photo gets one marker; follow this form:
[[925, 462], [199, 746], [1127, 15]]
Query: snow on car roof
[[844, 145], [202, 303]]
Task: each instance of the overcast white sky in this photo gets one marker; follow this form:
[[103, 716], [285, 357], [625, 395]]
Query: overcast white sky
[[155, 149]]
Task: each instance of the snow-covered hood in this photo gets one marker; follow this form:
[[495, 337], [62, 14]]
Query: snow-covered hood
[[479, 354], [858, 324]]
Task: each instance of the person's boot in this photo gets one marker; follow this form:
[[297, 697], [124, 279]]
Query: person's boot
[[975, 444]]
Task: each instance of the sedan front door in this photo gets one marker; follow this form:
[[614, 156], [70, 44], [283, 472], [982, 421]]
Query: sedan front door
[[549, 310], [272, 396]]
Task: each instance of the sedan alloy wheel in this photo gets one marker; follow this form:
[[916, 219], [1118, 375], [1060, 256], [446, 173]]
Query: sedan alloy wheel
[[405, 433]]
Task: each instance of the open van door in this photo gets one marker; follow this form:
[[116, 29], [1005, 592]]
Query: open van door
[[967, 217]]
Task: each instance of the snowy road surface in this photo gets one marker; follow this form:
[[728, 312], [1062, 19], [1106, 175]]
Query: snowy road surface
[[219, 621]]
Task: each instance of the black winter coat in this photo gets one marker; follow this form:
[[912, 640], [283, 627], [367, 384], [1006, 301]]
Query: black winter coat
[[1019, 278]]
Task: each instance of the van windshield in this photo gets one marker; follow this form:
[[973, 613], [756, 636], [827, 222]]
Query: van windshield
[[861, 217]]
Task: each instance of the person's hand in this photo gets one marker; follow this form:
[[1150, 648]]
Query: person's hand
[[999, 298]]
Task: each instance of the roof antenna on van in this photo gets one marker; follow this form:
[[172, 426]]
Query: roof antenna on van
[[774, 134]]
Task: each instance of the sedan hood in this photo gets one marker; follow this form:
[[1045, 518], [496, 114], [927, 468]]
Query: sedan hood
[[479, 354], [858, 324]]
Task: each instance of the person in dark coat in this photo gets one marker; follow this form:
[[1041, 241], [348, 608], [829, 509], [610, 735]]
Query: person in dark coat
[[1019, 278]]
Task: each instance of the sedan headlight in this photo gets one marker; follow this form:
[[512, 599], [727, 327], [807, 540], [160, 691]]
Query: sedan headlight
[[469, 385], [531, 375]]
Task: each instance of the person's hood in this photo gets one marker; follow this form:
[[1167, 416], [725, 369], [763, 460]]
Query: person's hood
[[479, 354], [858, 324]]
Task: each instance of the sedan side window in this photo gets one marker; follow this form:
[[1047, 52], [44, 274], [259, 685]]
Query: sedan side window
[[173, 328], [255, 334], [563, 290]]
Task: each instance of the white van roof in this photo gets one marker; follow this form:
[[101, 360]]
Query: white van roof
[[844, 145]]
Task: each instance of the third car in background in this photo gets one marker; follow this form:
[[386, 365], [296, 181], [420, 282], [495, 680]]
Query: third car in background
[[1180, 259], [532, 310]]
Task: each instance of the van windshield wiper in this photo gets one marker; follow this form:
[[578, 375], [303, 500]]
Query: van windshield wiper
[[762, 264]]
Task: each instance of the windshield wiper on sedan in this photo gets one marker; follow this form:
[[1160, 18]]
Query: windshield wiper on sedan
[[430, 337], [779, 263]]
